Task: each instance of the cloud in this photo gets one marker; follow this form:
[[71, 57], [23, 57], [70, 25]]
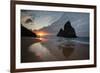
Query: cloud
[[41, 18]]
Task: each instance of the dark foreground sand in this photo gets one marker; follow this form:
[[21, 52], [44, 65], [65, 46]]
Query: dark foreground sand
[[35, 50]]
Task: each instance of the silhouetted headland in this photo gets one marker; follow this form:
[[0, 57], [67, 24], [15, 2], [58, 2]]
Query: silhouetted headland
[[26, 32]]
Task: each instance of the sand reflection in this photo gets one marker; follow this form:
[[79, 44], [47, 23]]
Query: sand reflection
[[60, 49]]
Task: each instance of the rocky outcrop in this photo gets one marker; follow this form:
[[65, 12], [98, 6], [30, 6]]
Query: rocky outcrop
[[26, 32], [68, 31]]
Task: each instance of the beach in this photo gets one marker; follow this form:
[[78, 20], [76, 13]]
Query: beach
[[52, 49]]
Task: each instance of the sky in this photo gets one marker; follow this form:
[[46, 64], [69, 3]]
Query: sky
[[40, 18], [55, 20]]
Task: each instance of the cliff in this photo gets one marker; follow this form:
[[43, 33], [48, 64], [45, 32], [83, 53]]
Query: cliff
[[26, 32]]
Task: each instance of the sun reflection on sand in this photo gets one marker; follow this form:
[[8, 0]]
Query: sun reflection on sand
[[42, 39]]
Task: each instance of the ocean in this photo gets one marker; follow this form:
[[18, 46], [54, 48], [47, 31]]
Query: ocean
[[83, 40]]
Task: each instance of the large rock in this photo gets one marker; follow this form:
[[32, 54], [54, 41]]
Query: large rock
[[68, 32], [26, 32]]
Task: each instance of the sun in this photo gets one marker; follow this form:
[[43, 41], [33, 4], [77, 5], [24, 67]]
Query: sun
[[41, 34]]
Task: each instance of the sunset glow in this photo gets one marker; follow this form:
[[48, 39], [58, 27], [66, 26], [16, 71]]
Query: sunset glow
[[41, 33]]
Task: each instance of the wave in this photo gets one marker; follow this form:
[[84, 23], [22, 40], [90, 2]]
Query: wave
[[82, 42]]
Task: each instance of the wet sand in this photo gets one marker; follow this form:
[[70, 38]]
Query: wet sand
[[35, 50]]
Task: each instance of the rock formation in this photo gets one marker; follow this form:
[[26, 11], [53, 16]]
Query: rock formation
[[68, 31], [26, 32]]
